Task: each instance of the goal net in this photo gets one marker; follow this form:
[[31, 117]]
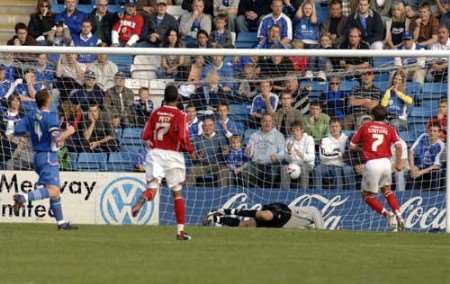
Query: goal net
[[264, 128]]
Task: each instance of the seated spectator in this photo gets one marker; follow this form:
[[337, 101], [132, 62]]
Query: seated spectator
[[73, 116], [277, 17], [207, 97], [415, 66], [195, 74], [157, 26], [27, 90], [236, 160], [306, 25], [276, 68], [10, 65], [362, 100], [425, 158], [266, 148], [98, 131], [42, 21], [45, 73], [299, 63], [128, 29], [203, 40], [209, 6], [250, 13], [71, 16], [224, 69], [119, 99], [210, 149], [335, 23], [273, 39], [332, 149], [86, 38], [103, 69], [316, 123], [195, 125], [172, 66], [142, 108], [286, 115], [21, 38], [89, 93], [221, 35], [59, 35], [248, 86], [299, 93], [397, 101], [396, 26], [7, 87], [441, 119], [324, 64], [148, 7], [334, 100], [354, 41], [225, 126], [102, 21], [69, 74], [229, 10], [264, 103], [382, 8], [369, 23], [445, 18], [300, 151], [439, 66], [192, 22], [425, 28]]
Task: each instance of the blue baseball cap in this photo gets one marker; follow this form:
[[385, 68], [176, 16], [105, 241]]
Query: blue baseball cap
[[130, 2], [407, 36], [2, 66]]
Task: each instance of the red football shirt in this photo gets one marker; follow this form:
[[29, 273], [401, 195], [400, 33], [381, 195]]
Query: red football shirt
[[376, 138], [167, 129]]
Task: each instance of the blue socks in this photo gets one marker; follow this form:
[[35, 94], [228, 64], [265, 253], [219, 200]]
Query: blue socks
[[55, 206], [38, 194]]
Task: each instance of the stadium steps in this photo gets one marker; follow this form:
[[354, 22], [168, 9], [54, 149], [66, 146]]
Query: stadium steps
[[11, 13]]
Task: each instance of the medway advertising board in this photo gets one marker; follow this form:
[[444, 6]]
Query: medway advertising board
[[88, 198]]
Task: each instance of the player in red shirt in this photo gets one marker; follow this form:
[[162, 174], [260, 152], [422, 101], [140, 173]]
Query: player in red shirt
[[376, 138], [167, 135]]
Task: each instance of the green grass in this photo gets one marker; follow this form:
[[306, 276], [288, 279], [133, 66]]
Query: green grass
[[38, 253]]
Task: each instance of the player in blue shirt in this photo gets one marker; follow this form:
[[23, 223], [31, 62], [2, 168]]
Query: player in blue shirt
[[46, 137]]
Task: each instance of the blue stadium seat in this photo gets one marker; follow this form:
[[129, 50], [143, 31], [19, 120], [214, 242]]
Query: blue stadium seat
[[429, 107], [382, 61], [131, 137], [348, 85], [243, 44], [123, 62], [322, 13], [247, 37], [122, 161], [319, 86], [408, 136], [73, 160], [434, 91], [382, 85], [238, 109], [92, 161], [382, 76]]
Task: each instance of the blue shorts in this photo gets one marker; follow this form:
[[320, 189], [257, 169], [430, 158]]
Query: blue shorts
[[46, 166]]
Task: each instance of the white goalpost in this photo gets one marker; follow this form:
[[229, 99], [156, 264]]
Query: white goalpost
[[239, 191]]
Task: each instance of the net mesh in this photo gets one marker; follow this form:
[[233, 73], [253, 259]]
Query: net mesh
[[245, 161]]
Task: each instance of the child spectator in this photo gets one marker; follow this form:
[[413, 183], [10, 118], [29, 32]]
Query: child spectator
[[229, 9], [221, 35], [236, 160]]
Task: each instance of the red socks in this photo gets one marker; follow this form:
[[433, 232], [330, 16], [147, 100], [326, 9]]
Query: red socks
[[375, 204], [149, 194], [392, 201], [180, 211]]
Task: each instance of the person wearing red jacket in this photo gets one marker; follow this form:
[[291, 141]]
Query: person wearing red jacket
[[127, 30]]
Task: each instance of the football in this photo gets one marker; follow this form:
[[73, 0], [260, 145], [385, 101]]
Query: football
[[294, 170]]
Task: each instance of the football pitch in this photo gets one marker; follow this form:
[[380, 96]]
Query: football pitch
[[37, 253]]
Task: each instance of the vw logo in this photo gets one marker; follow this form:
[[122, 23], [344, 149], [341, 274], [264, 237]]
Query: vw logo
[[118, 198]]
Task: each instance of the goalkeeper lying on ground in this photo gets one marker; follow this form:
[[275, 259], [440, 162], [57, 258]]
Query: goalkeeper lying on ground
[[273, 215]]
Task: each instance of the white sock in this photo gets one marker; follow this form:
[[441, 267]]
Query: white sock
[[180, 228], [26, 197], [61, 222]]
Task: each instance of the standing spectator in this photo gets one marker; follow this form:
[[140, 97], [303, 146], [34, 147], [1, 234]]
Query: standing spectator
[[316, 123], [89, 93], [425, 28], [157, 26], [306, 25], [229, 9], [86, 38], [102, 21], [142, 108], [441, 119], [396, 26], [354, 41], [414, 65], [397, 101], [300, 151], [197, 67], [335, 23], [69, 75], [103, 69], [10, 65], [362, 100], [277, 17], [59, 35], [332, 149], [128, 29], [369, 23], [42, 21], [334, 100], [225, 126], [425, 157], [221, 35], [210, 150], [195, 125], [192, 22], [266, 148], [249, 14], [71, 17], [439, 66], [45, 73], [285, 117], [264, 103], [7, 87], [98, 131], [172, 65], [119, 99]]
